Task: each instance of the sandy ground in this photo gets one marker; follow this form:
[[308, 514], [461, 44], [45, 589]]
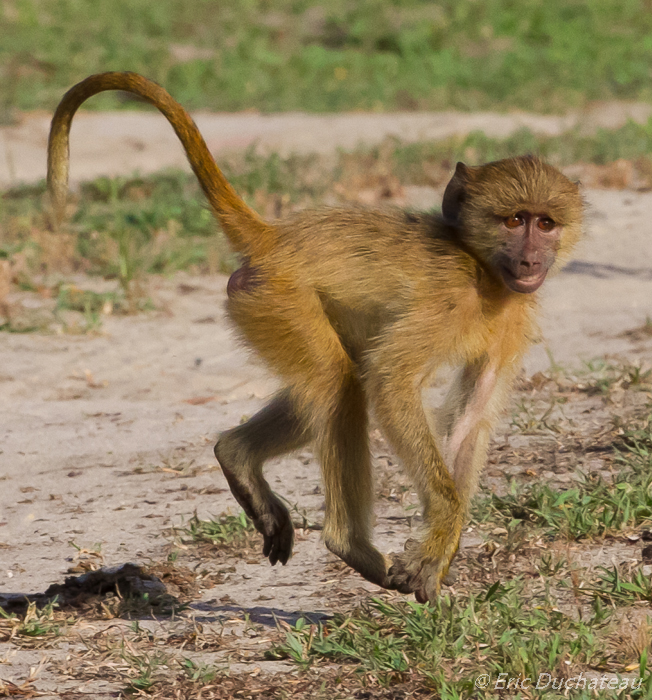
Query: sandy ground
[[106, 440], [123, 142]]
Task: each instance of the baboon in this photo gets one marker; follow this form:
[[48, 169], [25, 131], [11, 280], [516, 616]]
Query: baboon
[[355, 310]]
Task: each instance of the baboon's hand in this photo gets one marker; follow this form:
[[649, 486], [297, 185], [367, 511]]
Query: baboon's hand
[[417, 571]]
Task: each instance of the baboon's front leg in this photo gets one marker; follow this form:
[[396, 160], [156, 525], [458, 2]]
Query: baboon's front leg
[[470, 411], [395, 382]]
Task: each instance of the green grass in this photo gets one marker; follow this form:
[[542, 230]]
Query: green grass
[[601, 377], [225, 530], [278, 55], [504, 629], [622, 588], [88, 302], [593, 507], [127, 227], [631, 142], [36, 625]]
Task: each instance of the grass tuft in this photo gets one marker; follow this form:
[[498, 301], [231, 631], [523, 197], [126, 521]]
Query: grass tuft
[[444, 647], [226, 530]]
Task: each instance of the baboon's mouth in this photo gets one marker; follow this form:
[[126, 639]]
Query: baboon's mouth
[[525, 284]]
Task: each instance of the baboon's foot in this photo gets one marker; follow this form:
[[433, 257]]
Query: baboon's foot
[[412, 571], [361, 557], [451, 575], [268, 514]]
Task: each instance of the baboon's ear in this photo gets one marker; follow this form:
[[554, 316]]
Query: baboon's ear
[[455, 195]]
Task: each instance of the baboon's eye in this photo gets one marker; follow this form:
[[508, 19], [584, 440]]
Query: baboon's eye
[[513, 221], [546, 224]]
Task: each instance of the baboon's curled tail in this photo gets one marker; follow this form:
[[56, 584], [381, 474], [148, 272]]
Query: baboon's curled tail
[[247, 232]]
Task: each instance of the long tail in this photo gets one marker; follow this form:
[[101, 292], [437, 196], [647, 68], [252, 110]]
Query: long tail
[[247, 232]]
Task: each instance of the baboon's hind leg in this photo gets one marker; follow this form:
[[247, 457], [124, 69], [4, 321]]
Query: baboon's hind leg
[[343, 449], [289, 328], [242, 451]]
